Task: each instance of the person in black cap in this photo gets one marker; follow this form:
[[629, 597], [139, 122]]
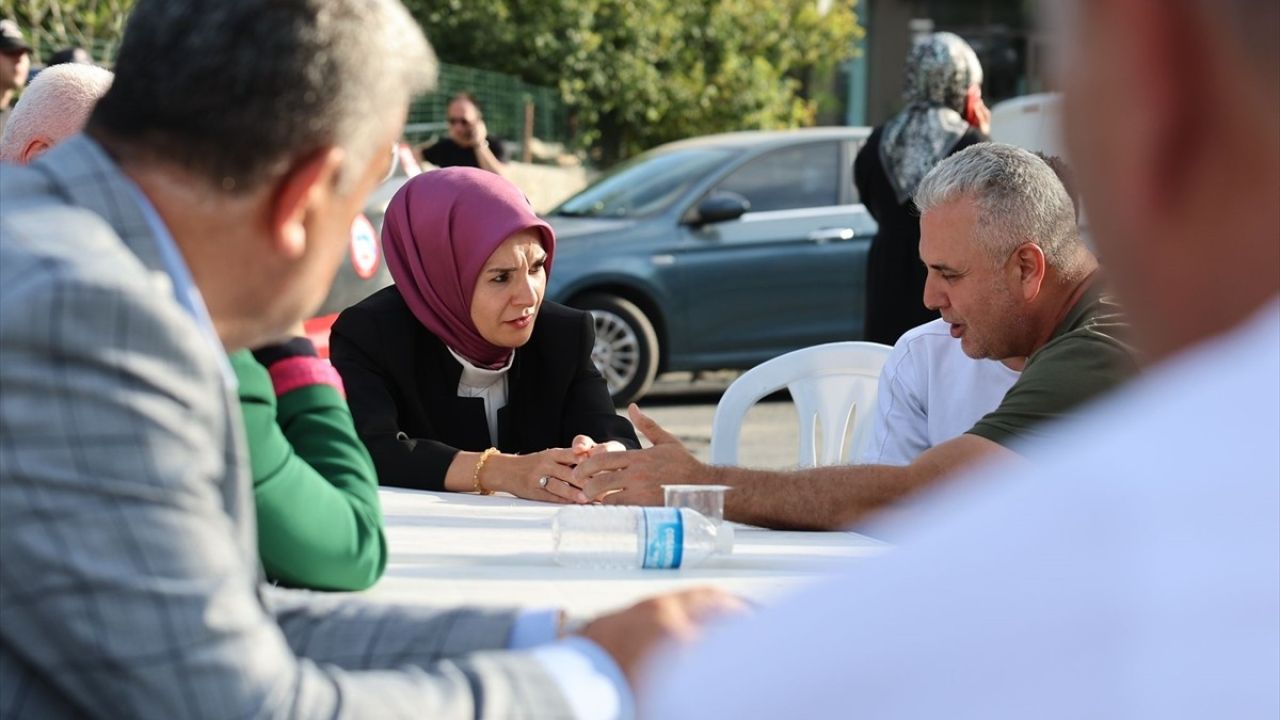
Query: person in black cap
[[15, 63]]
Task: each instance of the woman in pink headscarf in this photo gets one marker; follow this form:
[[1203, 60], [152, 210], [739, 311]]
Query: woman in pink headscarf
[[460, 377]]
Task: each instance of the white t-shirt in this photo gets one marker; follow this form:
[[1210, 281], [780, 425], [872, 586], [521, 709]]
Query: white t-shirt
[[1131, 570], [931, 392]]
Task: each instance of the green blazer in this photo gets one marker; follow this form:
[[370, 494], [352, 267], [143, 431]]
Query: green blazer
[[314, 484]]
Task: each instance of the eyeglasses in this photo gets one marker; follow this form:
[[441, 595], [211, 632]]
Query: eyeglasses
[[395, 160]]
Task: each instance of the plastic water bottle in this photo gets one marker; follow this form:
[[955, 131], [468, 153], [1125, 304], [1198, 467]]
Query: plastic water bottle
[[622, 536]]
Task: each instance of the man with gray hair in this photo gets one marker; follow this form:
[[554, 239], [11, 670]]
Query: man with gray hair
[[54, 106], [1009, 273], [206, 209]]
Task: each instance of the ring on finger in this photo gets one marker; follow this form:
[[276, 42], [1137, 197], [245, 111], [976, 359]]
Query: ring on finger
[[542, 482]]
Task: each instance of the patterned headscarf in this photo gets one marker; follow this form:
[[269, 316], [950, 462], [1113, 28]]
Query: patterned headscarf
[[940, 70], [439, 231]]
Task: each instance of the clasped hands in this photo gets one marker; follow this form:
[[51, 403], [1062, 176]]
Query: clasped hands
[[636, 477], [608, 473], [546, 475]]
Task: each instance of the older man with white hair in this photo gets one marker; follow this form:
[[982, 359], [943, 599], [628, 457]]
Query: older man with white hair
[[54, 107]]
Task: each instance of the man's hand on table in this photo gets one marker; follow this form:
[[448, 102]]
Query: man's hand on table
[[631, 635], [636, 477]]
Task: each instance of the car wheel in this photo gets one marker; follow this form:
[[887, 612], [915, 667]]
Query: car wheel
[[626, 347]]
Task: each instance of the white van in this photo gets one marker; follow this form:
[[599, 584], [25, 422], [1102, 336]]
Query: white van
[[1034, 122]]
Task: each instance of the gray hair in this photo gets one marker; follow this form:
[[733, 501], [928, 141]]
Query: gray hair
[[236, 90], [1019, 197]]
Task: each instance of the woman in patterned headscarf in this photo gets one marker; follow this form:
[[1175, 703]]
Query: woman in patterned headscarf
[[943, 114]]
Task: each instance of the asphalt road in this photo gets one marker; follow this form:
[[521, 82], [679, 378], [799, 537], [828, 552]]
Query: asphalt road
[[685, 407]]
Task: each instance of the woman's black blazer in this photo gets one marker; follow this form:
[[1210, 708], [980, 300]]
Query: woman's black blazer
[[402, 385]]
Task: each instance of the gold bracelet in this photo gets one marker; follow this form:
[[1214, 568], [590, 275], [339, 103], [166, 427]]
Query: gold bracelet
[[476, 485]]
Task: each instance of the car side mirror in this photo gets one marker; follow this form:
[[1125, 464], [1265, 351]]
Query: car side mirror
[[721, 206]]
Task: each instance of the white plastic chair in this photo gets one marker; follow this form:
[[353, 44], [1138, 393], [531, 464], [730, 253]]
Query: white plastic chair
[[831, 386]]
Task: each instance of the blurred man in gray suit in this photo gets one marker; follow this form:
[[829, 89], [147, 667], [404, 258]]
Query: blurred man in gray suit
[[205, 210]]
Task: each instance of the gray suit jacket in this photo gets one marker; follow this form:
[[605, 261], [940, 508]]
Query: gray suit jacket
[[129, 579]]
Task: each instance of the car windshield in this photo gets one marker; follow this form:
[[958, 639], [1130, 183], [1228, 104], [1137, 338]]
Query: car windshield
[[643, 185]]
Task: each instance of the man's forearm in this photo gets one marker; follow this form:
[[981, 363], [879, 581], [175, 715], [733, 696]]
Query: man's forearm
[[830, 498], [825, 498]]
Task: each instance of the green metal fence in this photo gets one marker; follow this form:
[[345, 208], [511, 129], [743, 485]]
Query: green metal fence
[[502, 98]]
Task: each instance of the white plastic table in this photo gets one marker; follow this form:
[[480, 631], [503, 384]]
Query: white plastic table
[[462, 549]]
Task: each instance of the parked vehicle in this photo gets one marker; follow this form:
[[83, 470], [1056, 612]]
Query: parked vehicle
[[1034, 122], [718, 252], [364, 272]]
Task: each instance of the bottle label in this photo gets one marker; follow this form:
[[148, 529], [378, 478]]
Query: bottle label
[[663, 538]]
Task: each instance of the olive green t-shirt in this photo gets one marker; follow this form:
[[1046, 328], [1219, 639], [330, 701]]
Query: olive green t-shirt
[[1085, 357]]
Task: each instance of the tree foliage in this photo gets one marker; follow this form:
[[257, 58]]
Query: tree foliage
[[641, 72], [635, 73], [95, 25]]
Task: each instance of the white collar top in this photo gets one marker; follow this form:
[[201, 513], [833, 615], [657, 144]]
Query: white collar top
[[489, 385]]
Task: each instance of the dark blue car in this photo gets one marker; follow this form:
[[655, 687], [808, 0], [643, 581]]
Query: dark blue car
[[718, 252]]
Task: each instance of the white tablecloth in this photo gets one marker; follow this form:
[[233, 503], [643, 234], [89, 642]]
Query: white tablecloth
[[461, 549]]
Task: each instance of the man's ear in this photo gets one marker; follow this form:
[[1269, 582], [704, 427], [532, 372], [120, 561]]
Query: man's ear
[[1029, 263], [308, 181], [34, 149]]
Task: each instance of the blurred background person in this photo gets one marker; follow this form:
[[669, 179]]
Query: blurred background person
[[944, 114], [460, 376], [55, 106], [15, 64], [468, 143]]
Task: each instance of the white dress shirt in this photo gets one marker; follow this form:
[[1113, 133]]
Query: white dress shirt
[[1131, 570], [931, 392]]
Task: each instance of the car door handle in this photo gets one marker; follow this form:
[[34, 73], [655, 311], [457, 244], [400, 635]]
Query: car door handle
[[832, 233]]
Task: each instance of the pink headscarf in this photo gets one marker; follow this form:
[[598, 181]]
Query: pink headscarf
[[440, 229]]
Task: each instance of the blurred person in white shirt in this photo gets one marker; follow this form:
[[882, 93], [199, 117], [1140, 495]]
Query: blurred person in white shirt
[[1131, 569]]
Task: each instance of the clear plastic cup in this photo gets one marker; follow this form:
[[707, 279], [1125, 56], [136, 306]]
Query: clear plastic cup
[[708, 500]]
